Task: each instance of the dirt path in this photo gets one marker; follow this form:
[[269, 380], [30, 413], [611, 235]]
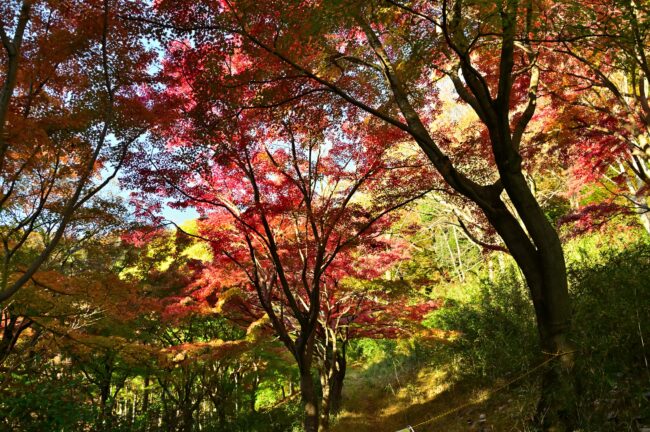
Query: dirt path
[[413, 397]]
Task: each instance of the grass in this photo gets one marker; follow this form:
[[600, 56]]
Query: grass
[[391, 401]]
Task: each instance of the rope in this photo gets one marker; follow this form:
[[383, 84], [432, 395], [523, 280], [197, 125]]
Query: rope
[[498, 389]]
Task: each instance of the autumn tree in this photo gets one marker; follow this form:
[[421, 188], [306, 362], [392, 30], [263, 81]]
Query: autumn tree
[[70, 107], [107, 352], [78, 324], [85, 256], [355, 302], [281, 196]]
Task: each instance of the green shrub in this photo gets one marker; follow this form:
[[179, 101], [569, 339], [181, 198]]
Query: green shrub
[[497, 330], [41, 403], [370, 351], [611, 316]]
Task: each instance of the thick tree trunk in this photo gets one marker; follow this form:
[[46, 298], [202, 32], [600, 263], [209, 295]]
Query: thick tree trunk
[[336, 382], [555, 408], [170, 420], [332, 373], [538, 252], [309, 401]]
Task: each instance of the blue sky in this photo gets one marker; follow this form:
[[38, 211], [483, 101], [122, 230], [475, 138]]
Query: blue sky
[[178, 216]]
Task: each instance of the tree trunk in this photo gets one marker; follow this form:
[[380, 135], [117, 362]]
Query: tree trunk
[[105, 405], [130, 411], [170, 420], [221, 414], [331, 372], [13, 54], [325, 381], [255, 386], [188, 417], [538, 252], [145, 405], [309, 400], [336, 382], [555, 408]]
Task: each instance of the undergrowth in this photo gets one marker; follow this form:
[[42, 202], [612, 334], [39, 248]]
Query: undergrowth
[[610, 289]]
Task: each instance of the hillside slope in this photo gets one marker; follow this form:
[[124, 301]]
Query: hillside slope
[[379, 399]]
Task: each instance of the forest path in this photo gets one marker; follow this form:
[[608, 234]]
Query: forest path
[[378, 399]]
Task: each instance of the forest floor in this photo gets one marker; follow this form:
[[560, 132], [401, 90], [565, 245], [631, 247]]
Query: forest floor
[[378, 399]]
